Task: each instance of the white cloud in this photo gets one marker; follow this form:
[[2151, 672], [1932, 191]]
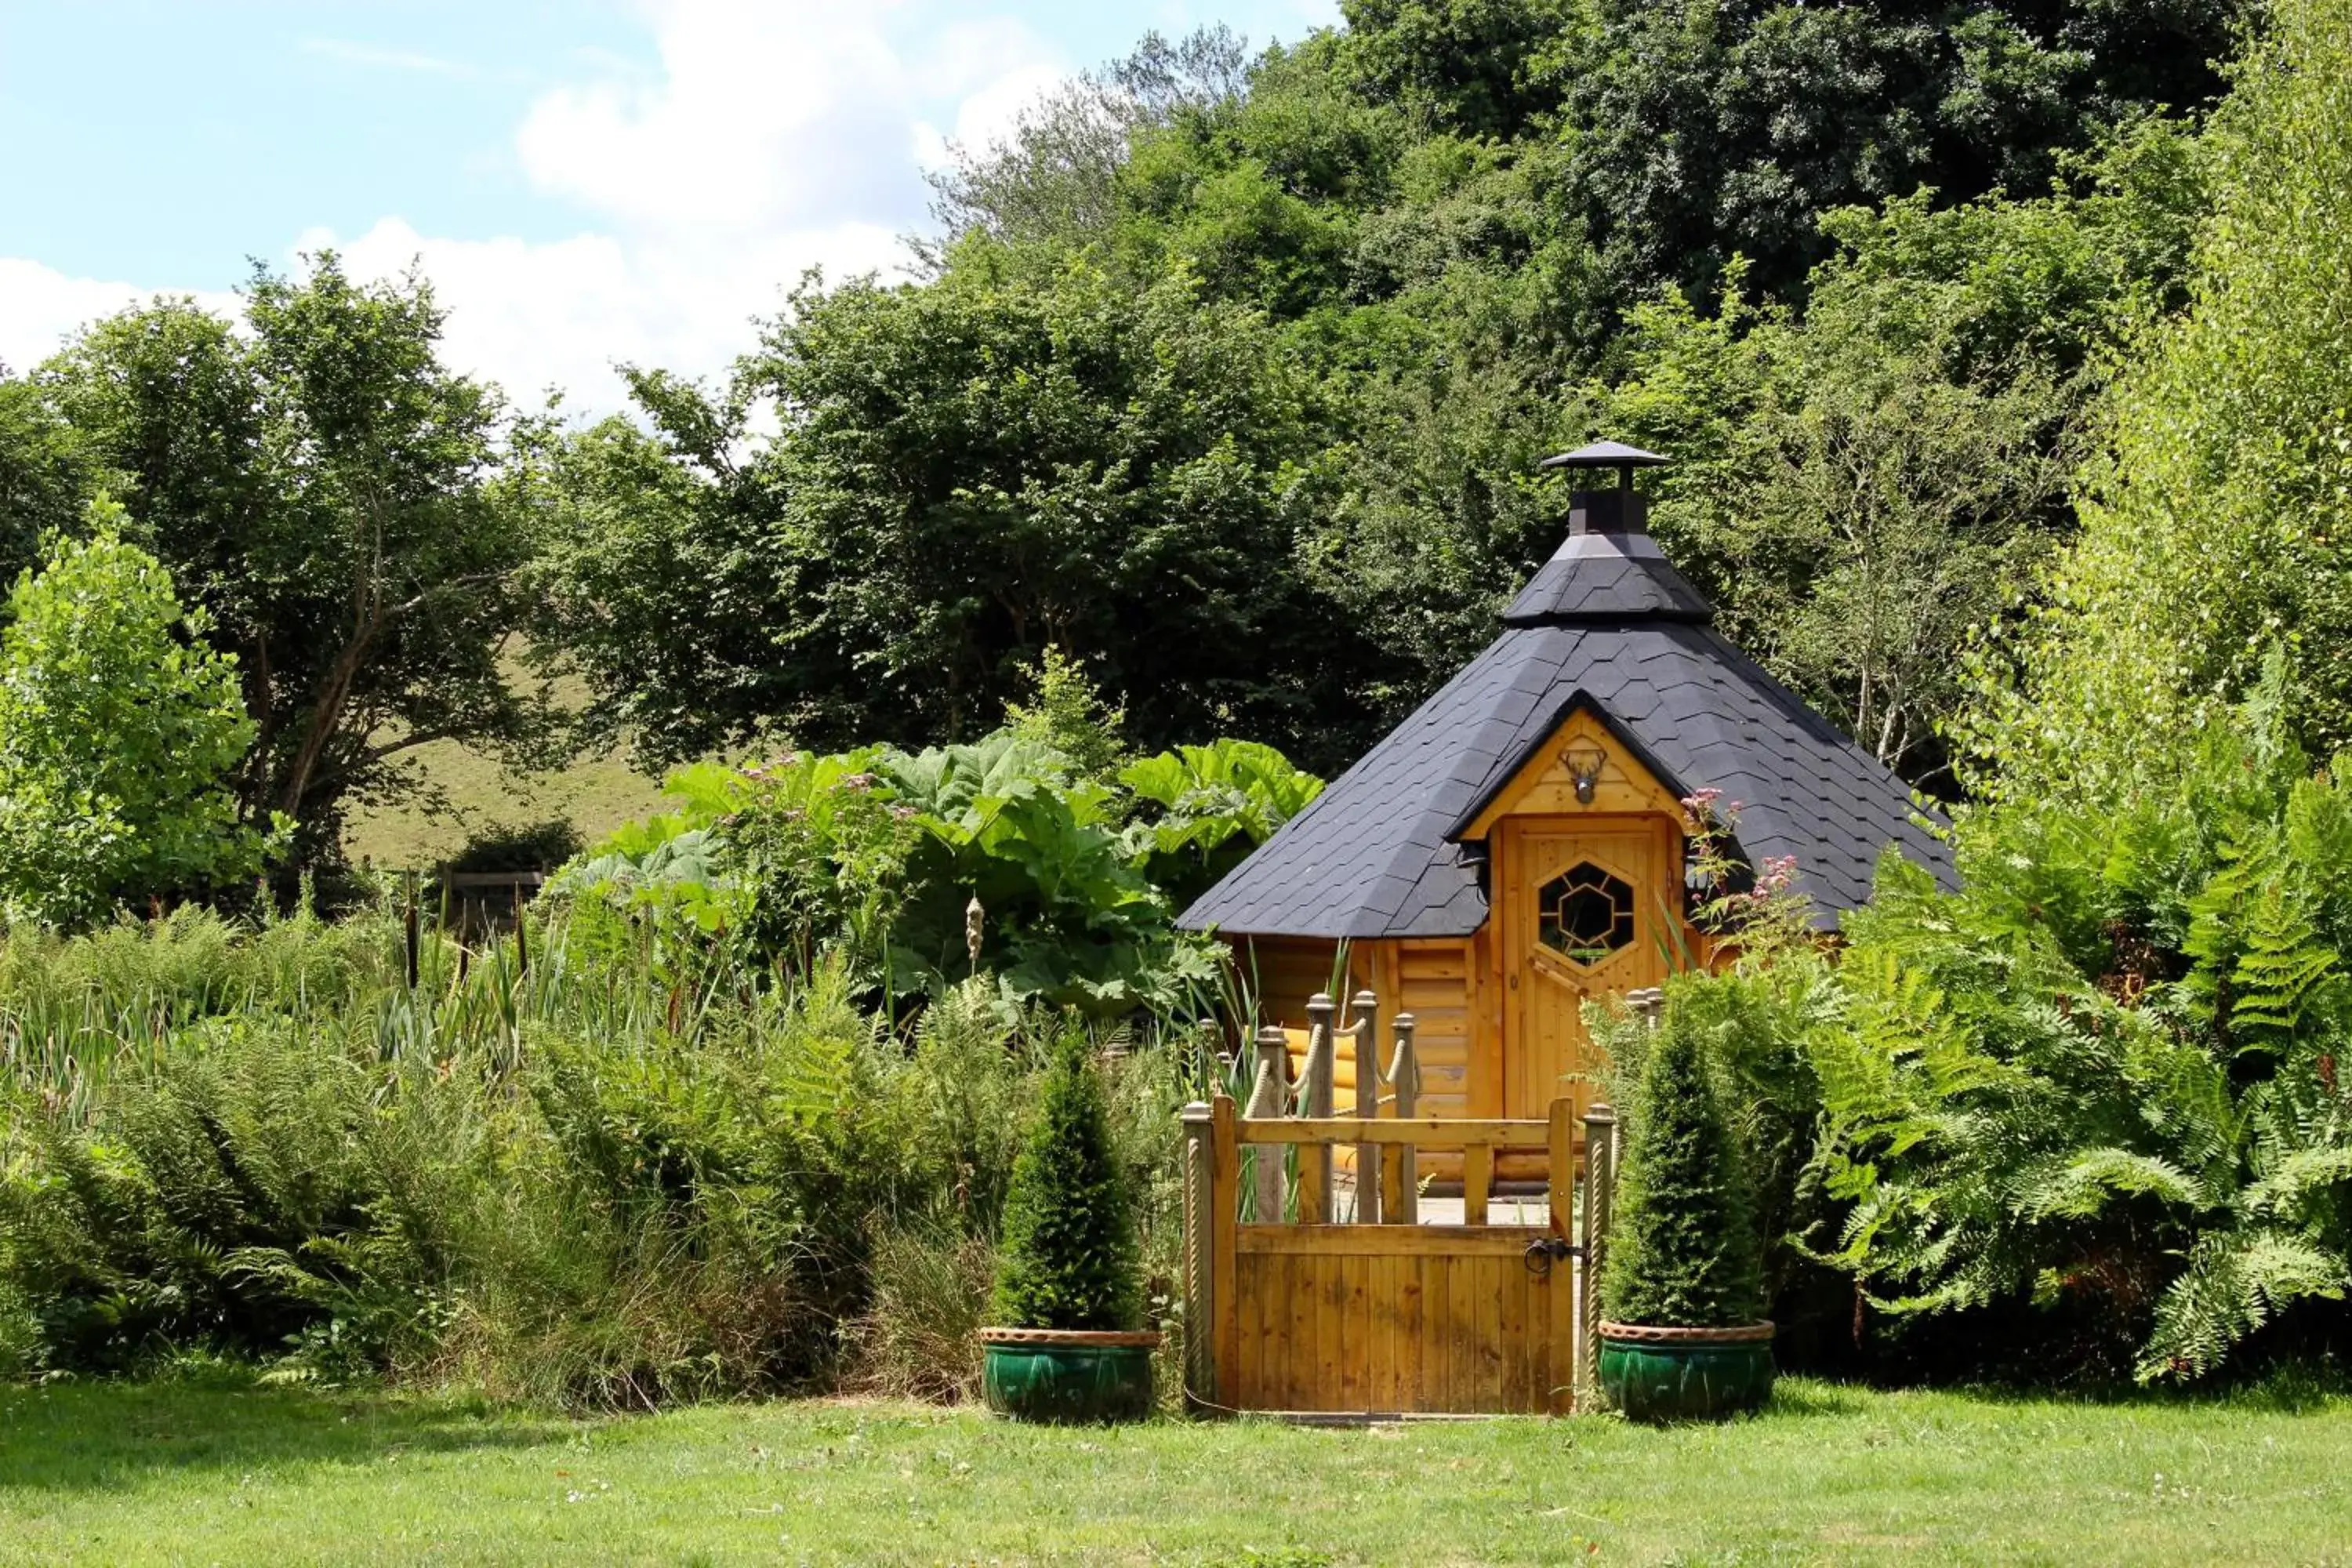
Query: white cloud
[[40, 305], [560, 314], [774, 135], [353, 53]]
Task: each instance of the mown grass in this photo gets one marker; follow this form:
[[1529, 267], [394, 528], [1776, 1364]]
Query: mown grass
[[163, 1472]]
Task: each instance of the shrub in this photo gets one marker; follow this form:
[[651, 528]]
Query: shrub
[[1684, 1251], [2102, 1077], [820, 854], [878, 854], [1069, 1259], [119, 729], [602, 1182], [1206, 807], [931, 1291], [520, 847]]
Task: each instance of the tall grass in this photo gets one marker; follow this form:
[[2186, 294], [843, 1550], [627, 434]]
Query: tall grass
[[592, 1176]]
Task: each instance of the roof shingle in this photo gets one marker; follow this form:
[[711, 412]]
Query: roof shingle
[[1609, 619]]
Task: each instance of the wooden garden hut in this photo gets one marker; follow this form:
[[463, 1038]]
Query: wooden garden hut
[[1518, 845]]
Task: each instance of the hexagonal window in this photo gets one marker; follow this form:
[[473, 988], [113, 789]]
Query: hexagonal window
[[1584, 913]]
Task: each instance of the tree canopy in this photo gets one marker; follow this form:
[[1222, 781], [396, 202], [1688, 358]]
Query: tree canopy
[[1226, 374], [2219, 498], [323, 487]]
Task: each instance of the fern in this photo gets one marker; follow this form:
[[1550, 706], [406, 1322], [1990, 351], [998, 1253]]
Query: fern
[[2234, 1283], [2118, 1042]]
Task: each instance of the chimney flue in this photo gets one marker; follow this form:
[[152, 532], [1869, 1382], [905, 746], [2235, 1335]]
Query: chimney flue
[[1621, 510]]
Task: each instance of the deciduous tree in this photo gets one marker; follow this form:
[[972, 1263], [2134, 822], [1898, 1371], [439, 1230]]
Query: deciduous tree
[[119, 731], [322, 485]]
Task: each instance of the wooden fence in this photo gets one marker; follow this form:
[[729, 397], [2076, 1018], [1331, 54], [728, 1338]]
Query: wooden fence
[[1314, 1289]]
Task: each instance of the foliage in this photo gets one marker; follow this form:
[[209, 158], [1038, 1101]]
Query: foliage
[[1687, 151], [520, 847], [1215, 804], [1007, 825], [970, 473], [46, 475], [119, 734], [662, 875], [2118, 1071], [321, 486], [878, 855], [594, 1182], [1054, 177], [2216, 512], [821, 854], [1682, 1251], [1068, 714], [1069, 1259], [2092, 1095]]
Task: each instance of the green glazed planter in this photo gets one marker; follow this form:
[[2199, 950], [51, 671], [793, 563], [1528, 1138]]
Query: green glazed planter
[[1686, 1374], [1068, 1375]]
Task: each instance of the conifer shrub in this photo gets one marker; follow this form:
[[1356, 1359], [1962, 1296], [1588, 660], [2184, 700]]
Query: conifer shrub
[[1069, 1259], [1683, 1253]]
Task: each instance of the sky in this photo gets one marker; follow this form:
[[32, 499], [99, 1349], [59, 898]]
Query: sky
[[583, 183]]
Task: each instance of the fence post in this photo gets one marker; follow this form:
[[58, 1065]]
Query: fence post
[[1200, 1251], [1269, 1094], [1600, 1181], [1315, 1099], [1224, 1289], [1560, 1351], [408, 882], [1367, 1029], [1400, 1179]]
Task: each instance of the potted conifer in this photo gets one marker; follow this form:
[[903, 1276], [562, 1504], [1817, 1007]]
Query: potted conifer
[[1682, 1335], [1068, 1291]]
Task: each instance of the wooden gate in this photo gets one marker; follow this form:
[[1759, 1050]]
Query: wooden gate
[[1311, 1290]]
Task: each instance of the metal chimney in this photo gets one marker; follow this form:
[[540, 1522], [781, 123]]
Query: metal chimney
[[1621, 510]]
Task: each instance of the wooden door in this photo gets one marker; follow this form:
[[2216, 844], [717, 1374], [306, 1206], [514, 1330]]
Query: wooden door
[[1585, 907]]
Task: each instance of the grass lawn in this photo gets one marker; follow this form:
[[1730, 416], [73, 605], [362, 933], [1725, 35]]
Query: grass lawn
[[183, 1472], [594, 794]]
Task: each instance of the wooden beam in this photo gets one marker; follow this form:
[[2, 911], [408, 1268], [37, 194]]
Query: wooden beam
[[1388, 1240], [1225, 1194], [1427, 1132]]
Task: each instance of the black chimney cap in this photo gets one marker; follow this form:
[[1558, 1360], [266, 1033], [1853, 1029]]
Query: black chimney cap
[[1603, 455]]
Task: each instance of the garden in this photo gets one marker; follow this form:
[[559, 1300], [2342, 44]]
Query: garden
[[722, 1195]]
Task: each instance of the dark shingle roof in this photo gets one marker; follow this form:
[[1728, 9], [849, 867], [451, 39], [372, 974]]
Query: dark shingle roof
[[1610, 623], [1606, 577]]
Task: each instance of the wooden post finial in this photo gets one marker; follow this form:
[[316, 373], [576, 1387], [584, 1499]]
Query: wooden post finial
[[1269, 1097], [1314, 1090], [1365, 1031], [1401, 1186]]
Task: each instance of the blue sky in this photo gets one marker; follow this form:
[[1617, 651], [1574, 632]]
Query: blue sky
[[584, 180]]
